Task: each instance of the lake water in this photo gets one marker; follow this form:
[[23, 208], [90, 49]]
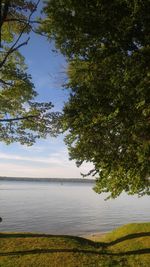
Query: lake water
[[68, 208]]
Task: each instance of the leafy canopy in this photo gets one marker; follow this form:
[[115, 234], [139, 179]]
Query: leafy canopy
[[22, 119], [107, 117]]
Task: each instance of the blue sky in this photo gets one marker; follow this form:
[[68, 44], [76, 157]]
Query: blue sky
[[47, 158]]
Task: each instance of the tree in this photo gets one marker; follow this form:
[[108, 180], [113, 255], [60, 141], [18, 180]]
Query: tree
[[22, 119], [107, 117]]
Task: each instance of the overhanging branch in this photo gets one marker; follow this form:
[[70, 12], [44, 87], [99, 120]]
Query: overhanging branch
[[3, 14], [12, 49], [19, 118], [6, 83], [15, 46]]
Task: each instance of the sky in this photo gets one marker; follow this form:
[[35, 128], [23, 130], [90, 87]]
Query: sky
[[46, 158]]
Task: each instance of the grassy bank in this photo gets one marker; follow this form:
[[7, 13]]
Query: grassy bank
[[126, 246]]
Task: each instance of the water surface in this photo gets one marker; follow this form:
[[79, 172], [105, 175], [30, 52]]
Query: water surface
[[66, 208]]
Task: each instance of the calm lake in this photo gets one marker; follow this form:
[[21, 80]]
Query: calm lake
[[68, 208]]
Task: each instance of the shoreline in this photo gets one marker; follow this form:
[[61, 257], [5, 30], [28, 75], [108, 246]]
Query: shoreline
[[92, 236], [95, 236]]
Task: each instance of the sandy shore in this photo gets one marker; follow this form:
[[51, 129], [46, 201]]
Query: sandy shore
[[95, 236]]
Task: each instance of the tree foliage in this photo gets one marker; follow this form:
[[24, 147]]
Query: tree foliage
[[22, 119], [107, 117]]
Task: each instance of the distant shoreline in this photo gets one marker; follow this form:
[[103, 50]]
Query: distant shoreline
[[56, 180]]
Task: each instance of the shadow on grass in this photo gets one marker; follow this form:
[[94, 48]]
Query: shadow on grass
[[81, 240], [127, 237], [83, 251], [99, 248]]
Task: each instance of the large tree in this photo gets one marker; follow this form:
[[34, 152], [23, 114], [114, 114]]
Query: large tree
[[22, 118], [107, 117]]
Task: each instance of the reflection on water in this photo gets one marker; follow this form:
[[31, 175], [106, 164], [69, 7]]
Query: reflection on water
[[65, 209]]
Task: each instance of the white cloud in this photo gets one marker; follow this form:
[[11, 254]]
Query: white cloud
[[53, 159], [55, 166], [18, 170], [35, 148]]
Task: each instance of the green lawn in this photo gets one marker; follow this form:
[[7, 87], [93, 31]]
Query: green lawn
[[126, 246]]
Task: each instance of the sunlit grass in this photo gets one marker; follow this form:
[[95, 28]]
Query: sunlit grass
[[126, 246]]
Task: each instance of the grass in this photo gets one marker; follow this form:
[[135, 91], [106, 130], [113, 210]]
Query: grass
[[126, 246]]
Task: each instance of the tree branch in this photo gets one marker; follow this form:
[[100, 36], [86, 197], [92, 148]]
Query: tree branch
[[14, 47], [6, 83], [5, 12], [22, 20], [3, 15], [19, 119]]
